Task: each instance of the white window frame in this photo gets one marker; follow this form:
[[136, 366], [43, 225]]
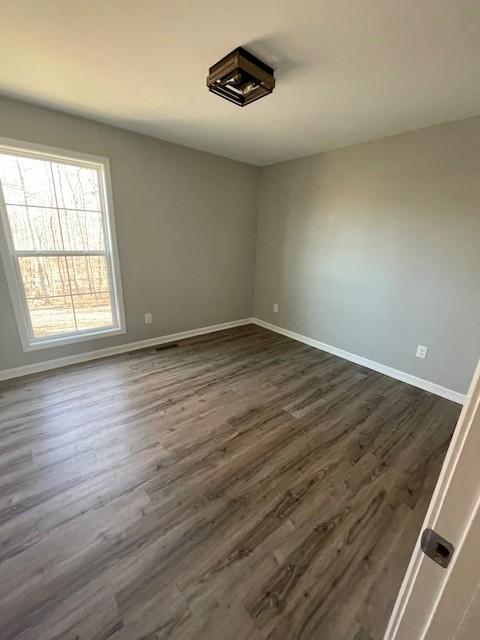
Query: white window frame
[[9, 255]]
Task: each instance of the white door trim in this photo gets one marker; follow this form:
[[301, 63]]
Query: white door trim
[[470, 411]]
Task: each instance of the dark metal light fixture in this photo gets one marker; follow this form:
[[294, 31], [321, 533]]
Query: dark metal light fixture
[[241, 78]]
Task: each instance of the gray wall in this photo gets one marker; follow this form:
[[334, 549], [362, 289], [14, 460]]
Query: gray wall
[[185, 223], [373, 249], [376, 248]]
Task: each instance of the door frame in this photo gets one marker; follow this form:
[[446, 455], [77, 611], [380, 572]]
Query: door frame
[[410, 610]]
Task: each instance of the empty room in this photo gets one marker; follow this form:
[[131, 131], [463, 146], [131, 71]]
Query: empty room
[[239, 320]]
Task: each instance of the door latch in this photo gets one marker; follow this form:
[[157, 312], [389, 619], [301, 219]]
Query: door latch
[[437, 548]]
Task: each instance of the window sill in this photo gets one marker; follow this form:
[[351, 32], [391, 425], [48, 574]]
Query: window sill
[[48, 343]]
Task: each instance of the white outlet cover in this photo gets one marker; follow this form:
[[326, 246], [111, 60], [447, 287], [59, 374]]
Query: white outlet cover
[[275, 308], [422, 351], [148, 318]]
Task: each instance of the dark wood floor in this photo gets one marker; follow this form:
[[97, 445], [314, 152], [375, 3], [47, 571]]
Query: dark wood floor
[[238, 486]]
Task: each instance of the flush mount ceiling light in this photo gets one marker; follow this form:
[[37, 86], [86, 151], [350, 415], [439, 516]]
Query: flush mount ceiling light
[[241, 78]]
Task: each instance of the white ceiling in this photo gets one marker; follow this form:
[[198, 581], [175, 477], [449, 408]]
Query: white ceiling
[[347, 70]]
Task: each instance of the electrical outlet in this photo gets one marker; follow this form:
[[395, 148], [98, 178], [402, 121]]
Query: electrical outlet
[[148, 318], [422, 351], [275, 308]]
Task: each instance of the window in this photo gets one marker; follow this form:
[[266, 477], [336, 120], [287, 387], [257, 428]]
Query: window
[[58, 245]]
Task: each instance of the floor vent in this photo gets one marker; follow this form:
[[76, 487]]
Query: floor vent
[[164, 347]]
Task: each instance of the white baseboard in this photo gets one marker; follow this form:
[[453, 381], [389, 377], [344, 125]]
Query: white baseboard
[[426, 385], [46, 365]]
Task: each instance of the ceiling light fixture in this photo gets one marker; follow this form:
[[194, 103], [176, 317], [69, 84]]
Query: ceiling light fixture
[[241, 78]]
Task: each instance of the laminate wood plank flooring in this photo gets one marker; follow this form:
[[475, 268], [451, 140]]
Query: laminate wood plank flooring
[[235, 486]]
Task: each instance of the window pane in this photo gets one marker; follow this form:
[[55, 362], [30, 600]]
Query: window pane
[[51, 316], [44, 277], [82, 230], [92, 311], [88, 274], [76, 187], [26, 181], [56, 206], [34, 228]]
